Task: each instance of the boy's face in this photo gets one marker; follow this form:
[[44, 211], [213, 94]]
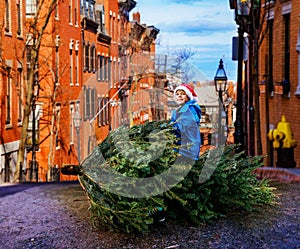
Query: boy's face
[[181, 97]]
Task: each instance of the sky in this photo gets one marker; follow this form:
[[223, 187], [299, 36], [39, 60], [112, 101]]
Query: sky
[[204, 26]]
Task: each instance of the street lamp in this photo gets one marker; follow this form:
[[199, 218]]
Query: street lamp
[[34, 97], [77, 123], [220, 85]]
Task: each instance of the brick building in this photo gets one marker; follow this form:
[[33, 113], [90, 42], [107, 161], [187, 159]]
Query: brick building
[[84, 81], [89, 88], [12, 37], [279, 72]]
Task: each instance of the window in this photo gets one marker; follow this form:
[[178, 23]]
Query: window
[[93, 104], [70, 14], [87, 8], [111, 27], [89, 103], [91, 10], [106, 110], [81, 7], [102, 23], [30, 8], [19, 17], [287, 47], [57, 123], [8, 98], [98, 65], [103, 112], [100, 17], [270, 54], [286, 80], [71, 67], [7, 17], [72, 111], [76, 69], [118, 70], [100, 113], [108, 69], [70, 11], [114, 28], [20, 94], [76, 13], [87, 56], [105, 69], [114, 72], [77, 106], [106, 73], [92, 58], [101, 67]]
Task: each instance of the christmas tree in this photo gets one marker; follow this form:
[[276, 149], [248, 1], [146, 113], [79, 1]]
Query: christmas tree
[[135, 178]]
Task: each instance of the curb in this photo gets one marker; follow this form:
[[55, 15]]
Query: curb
[[287, 175]]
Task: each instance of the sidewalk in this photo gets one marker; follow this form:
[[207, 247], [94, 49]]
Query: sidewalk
[[287, 175]]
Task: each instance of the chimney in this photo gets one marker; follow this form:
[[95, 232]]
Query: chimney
[[136, 17]]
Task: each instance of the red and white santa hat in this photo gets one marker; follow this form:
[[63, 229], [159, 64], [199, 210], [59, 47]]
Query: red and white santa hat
[[188, 89]]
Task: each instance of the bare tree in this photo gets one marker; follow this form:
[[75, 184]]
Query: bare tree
[[36, 28], [178, 64]]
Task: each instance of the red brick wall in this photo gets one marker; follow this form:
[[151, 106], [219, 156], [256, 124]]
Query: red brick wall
[[279, 105], [11, 49]]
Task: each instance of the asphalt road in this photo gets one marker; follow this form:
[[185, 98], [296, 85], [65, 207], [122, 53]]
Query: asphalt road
[[56, 215]]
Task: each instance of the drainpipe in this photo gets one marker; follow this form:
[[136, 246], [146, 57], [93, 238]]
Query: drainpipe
[[297, 93]]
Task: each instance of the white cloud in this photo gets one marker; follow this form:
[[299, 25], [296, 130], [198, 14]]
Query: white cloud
[[206, 26]]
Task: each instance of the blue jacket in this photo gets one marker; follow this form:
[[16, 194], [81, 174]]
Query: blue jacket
[[186, 121]]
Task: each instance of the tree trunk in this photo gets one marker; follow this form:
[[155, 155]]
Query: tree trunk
[[22, 142]]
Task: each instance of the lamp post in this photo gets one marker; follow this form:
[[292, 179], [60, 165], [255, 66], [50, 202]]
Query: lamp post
[[77, 123], [34, 97], [242, 11], [238, 124], [220, 85]]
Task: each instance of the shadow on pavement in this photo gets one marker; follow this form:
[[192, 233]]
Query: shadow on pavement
[[12, 188]]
